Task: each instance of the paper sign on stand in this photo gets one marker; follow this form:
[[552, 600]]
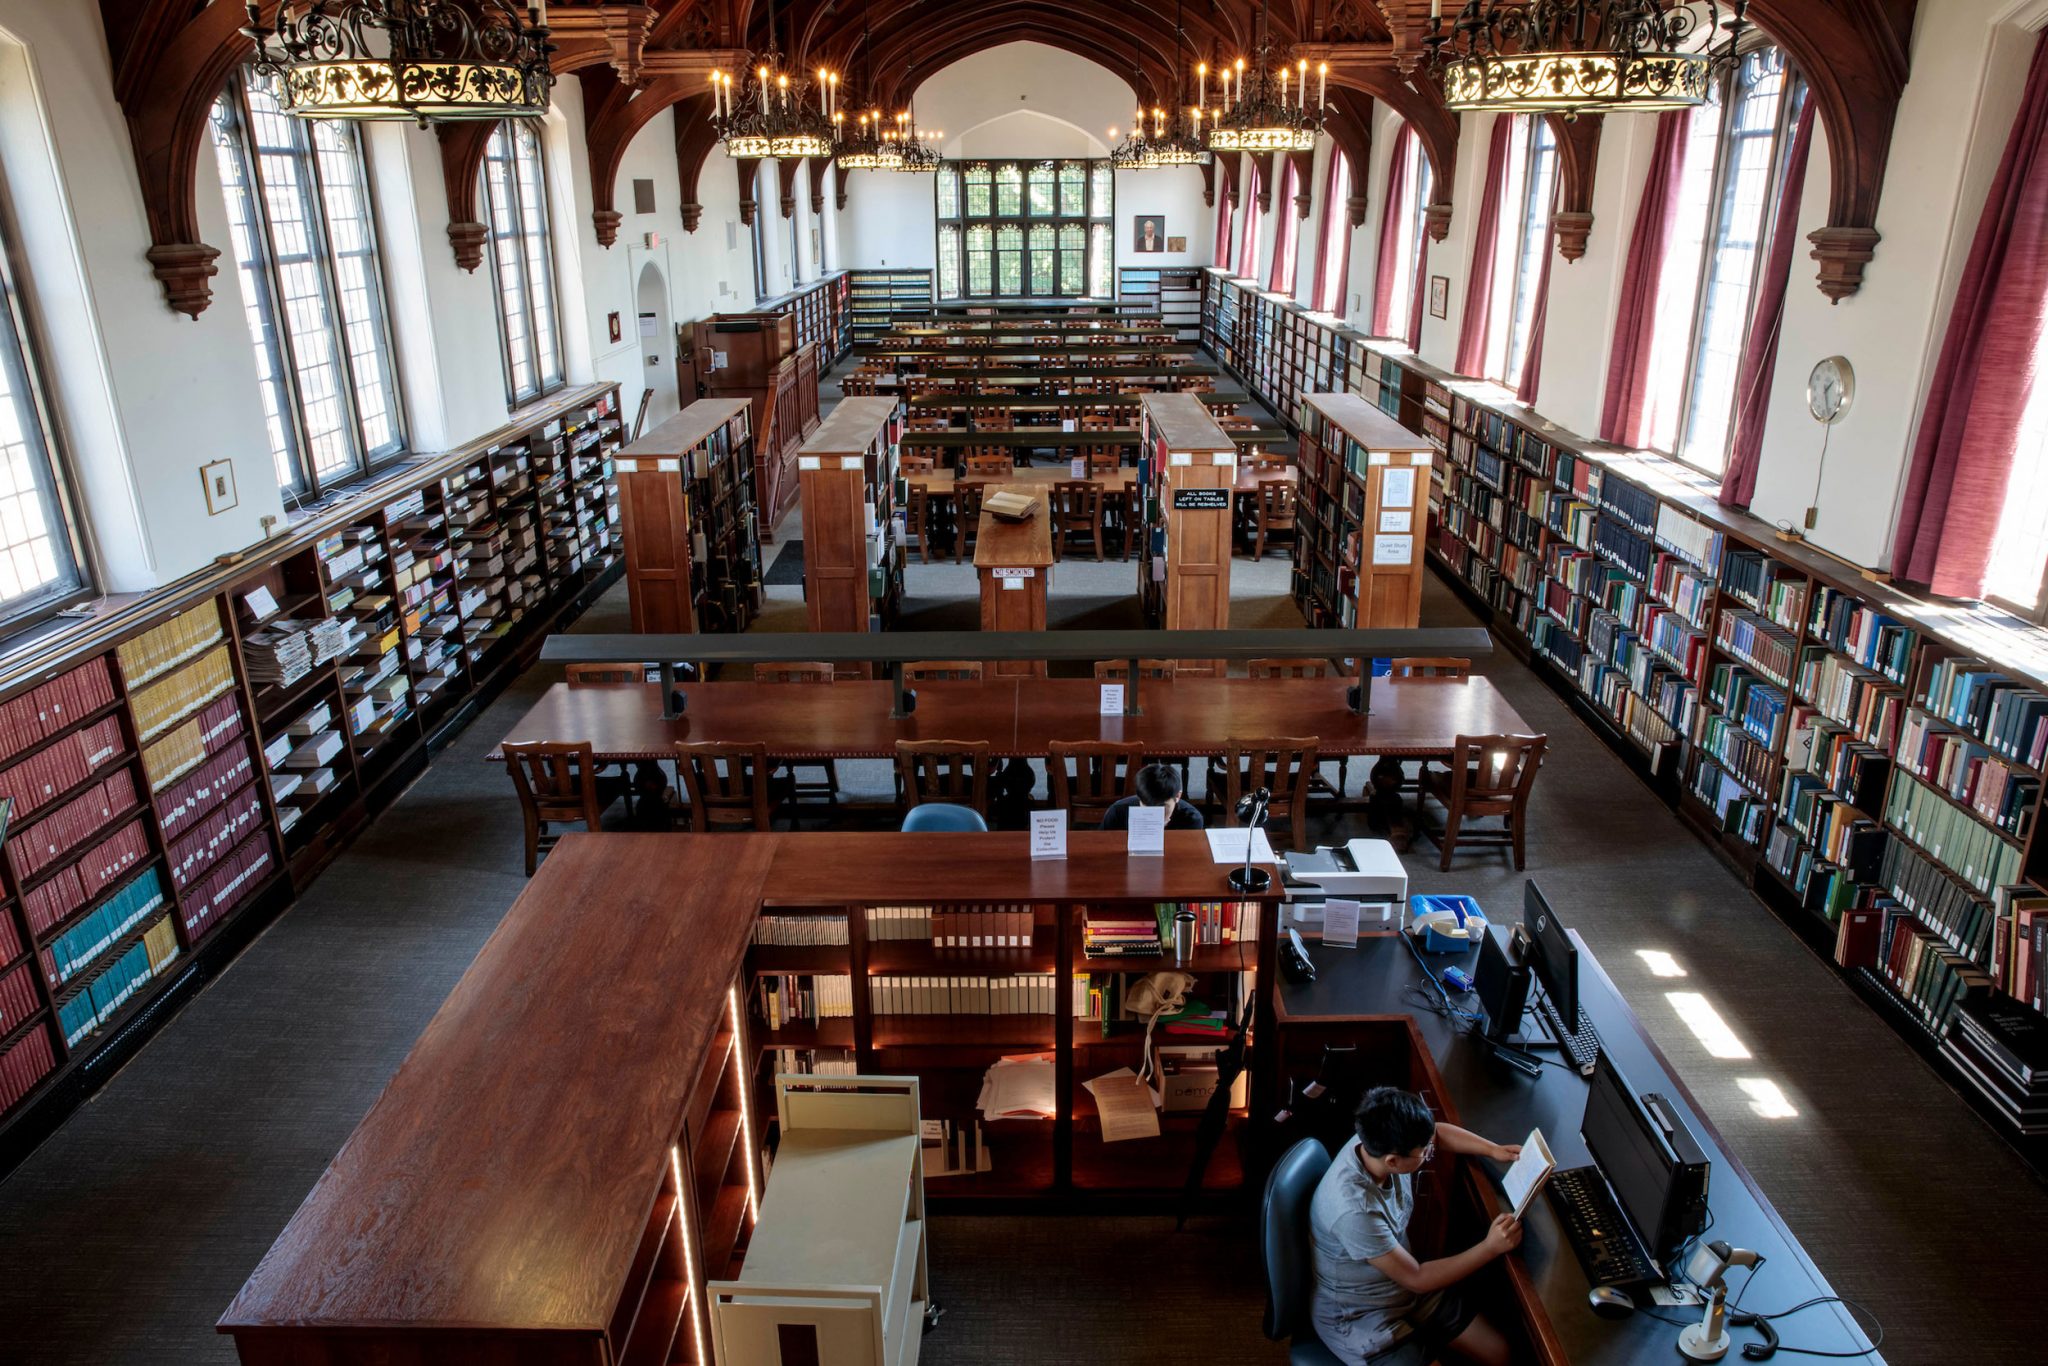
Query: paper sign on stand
[[1077, 468], [1148, 830], [1048, 834], [1112, 699], [1340, 923]]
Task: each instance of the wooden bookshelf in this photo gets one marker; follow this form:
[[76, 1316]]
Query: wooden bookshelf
[[149, 840], [1176, 291], [874, 296], [690, 539], [1847, 747], [1362, 514], [1187, 471], [853, 545]]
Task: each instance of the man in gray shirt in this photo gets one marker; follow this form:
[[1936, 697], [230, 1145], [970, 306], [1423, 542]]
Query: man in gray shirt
[[1373, 1302]]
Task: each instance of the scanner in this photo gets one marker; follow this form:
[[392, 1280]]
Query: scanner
[[1366, 871]]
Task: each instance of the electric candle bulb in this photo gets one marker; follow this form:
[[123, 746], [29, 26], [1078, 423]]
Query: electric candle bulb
[[1322, 84], [1301, 82], [761, 79], [1201, 83]]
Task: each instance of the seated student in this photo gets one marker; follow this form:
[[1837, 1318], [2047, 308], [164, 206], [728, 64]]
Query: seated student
[[1158, 785], [1368, 1285]]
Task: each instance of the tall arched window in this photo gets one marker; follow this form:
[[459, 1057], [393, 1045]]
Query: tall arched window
[[42, 569], [523, 257], [305, 245]]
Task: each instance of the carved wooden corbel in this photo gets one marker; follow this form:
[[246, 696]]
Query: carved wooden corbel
[[1304, 181], [748, 204], [462, 156], [1578, 157], [785, 184], [1438, 219], [1354, 209]]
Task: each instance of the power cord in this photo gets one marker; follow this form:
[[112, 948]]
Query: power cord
[[1762, 1351]]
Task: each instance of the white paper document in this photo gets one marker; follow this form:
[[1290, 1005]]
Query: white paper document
[[1393, 549], [1227, 846], [1340, 923], [1018, 1090], [1148, 830], [1397, 488], [1125, 1106], [1530, 1171], [1112, 699]]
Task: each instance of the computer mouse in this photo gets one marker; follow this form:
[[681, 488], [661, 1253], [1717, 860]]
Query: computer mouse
[[1610, 1303]]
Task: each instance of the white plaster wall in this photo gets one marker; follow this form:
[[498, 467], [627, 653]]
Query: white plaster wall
[[145, 395], [1954, 118]]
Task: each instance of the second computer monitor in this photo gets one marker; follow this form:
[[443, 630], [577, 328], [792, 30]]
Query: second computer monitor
[[1552, 954]]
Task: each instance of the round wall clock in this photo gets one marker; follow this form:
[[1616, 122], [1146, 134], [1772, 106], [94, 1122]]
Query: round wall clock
[[1830, 389]]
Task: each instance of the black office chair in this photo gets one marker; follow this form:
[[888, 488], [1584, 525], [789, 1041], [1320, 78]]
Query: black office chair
[[1290, 1273], [1283, 1234]]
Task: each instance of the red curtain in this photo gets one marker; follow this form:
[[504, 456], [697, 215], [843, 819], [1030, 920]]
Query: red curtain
[[1760, 351], [1962, 459], [1287, 237], [1223, 189], [1333, 256], [1532, 364], [1392, 213], [1421, 289], [1625, 406], [1248, 239], [1485, 239]]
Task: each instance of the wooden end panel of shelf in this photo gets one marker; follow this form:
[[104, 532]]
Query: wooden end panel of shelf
[[654, 517]]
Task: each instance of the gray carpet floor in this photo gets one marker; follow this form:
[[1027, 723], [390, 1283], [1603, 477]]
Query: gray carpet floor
[[126, 1235]]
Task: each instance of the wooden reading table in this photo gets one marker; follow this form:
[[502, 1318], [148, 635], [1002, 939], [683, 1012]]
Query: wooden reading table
[[1410, 718]]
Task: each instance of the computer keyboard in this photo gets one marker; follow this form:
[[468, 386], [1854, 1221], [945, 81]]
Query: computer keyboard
[[1582, 1044], [1594, 1226]]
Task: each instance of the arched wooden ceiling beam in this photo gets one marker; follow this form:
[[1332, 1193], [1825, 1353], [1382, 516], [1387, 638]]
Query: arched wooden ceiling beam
[[462, 156], [611, 124], [694, 140], [1578, 157], [1422, 105], [1854, 56], [908, 54]]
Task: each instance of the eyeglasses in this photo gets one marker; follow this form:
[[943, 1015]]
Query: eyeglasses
[[1428, 1151]]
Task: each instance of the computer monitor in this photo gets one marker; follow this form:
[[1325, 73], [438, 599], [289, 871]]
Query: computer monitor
[[1503, 989], [1552, 954], [1632, 1153]]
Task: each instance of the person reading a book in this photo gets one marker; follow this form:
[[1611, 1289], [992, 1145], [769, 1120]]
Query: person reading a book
[[1158, 785], [1372, 1301]]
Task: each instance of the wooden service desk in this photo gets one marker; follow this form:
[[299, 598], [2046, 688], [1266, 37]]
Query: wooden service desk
[[573, 1146], [1414, 718], [1365, 996], [1014, 561]]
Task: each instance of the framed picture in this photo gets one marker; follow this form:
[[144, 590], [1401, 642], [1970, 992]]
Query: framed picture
[[1148, 232], [1439, 296], [219, 478], [1176, 244], [611, 322]]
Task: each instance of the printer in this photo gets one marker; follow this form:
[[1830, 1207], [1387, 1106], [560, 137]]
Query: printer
[[1366, 871]]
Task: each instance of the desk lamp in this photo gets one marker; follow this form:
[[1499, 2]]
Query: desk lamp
[[1251, 814], [1707, 1340]]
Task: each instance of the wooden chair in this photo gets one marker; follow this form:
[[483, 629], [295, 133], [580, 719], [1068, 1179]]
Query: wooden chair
[[1285, 766], [929, 421], [728, 785], [807, 674], [1288, 668], [953, 771], [917, 503], [1447, 668], [1076, 506], [1276, 509], [1233, 422], [983, 418], [575, 674], [990, 462], [966, 519], [1490, 775], [968, 670], [1090, 776], [1119, 670], [557, 785]]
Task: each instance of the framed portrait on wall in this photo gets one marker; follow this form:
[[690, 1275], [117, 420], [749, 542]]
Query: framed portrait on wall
[[1439, 296], [1148, 232], [1176, 244]]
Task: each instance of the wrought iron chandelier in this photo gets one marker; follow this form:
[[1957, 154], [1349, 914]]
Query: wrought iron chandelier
[[425, 60], [1563, 56], [773, 111], [1172, 140], [1264, 108], [865, 148], [917, 151]]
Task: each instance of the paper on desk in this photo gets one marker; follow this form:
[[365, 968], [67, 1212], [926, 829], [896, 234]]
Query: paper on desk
[[1530, 1171], [1018, 1090], [1227, 846], [1125, 1106], [1147, 833]]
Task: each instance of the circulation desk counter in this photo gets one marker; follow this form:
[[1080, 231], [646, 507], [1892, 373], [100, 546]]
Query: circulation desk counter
[[1369, 998]]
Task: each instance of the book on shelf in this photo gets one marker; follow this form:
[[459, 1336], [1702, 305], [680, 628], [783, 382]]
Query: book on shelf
[[2001, 1048], [802, 930], [2008, 716], [1976, 853], [24, 1064], [2019, 955], [1017, 993], [782, 999]]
